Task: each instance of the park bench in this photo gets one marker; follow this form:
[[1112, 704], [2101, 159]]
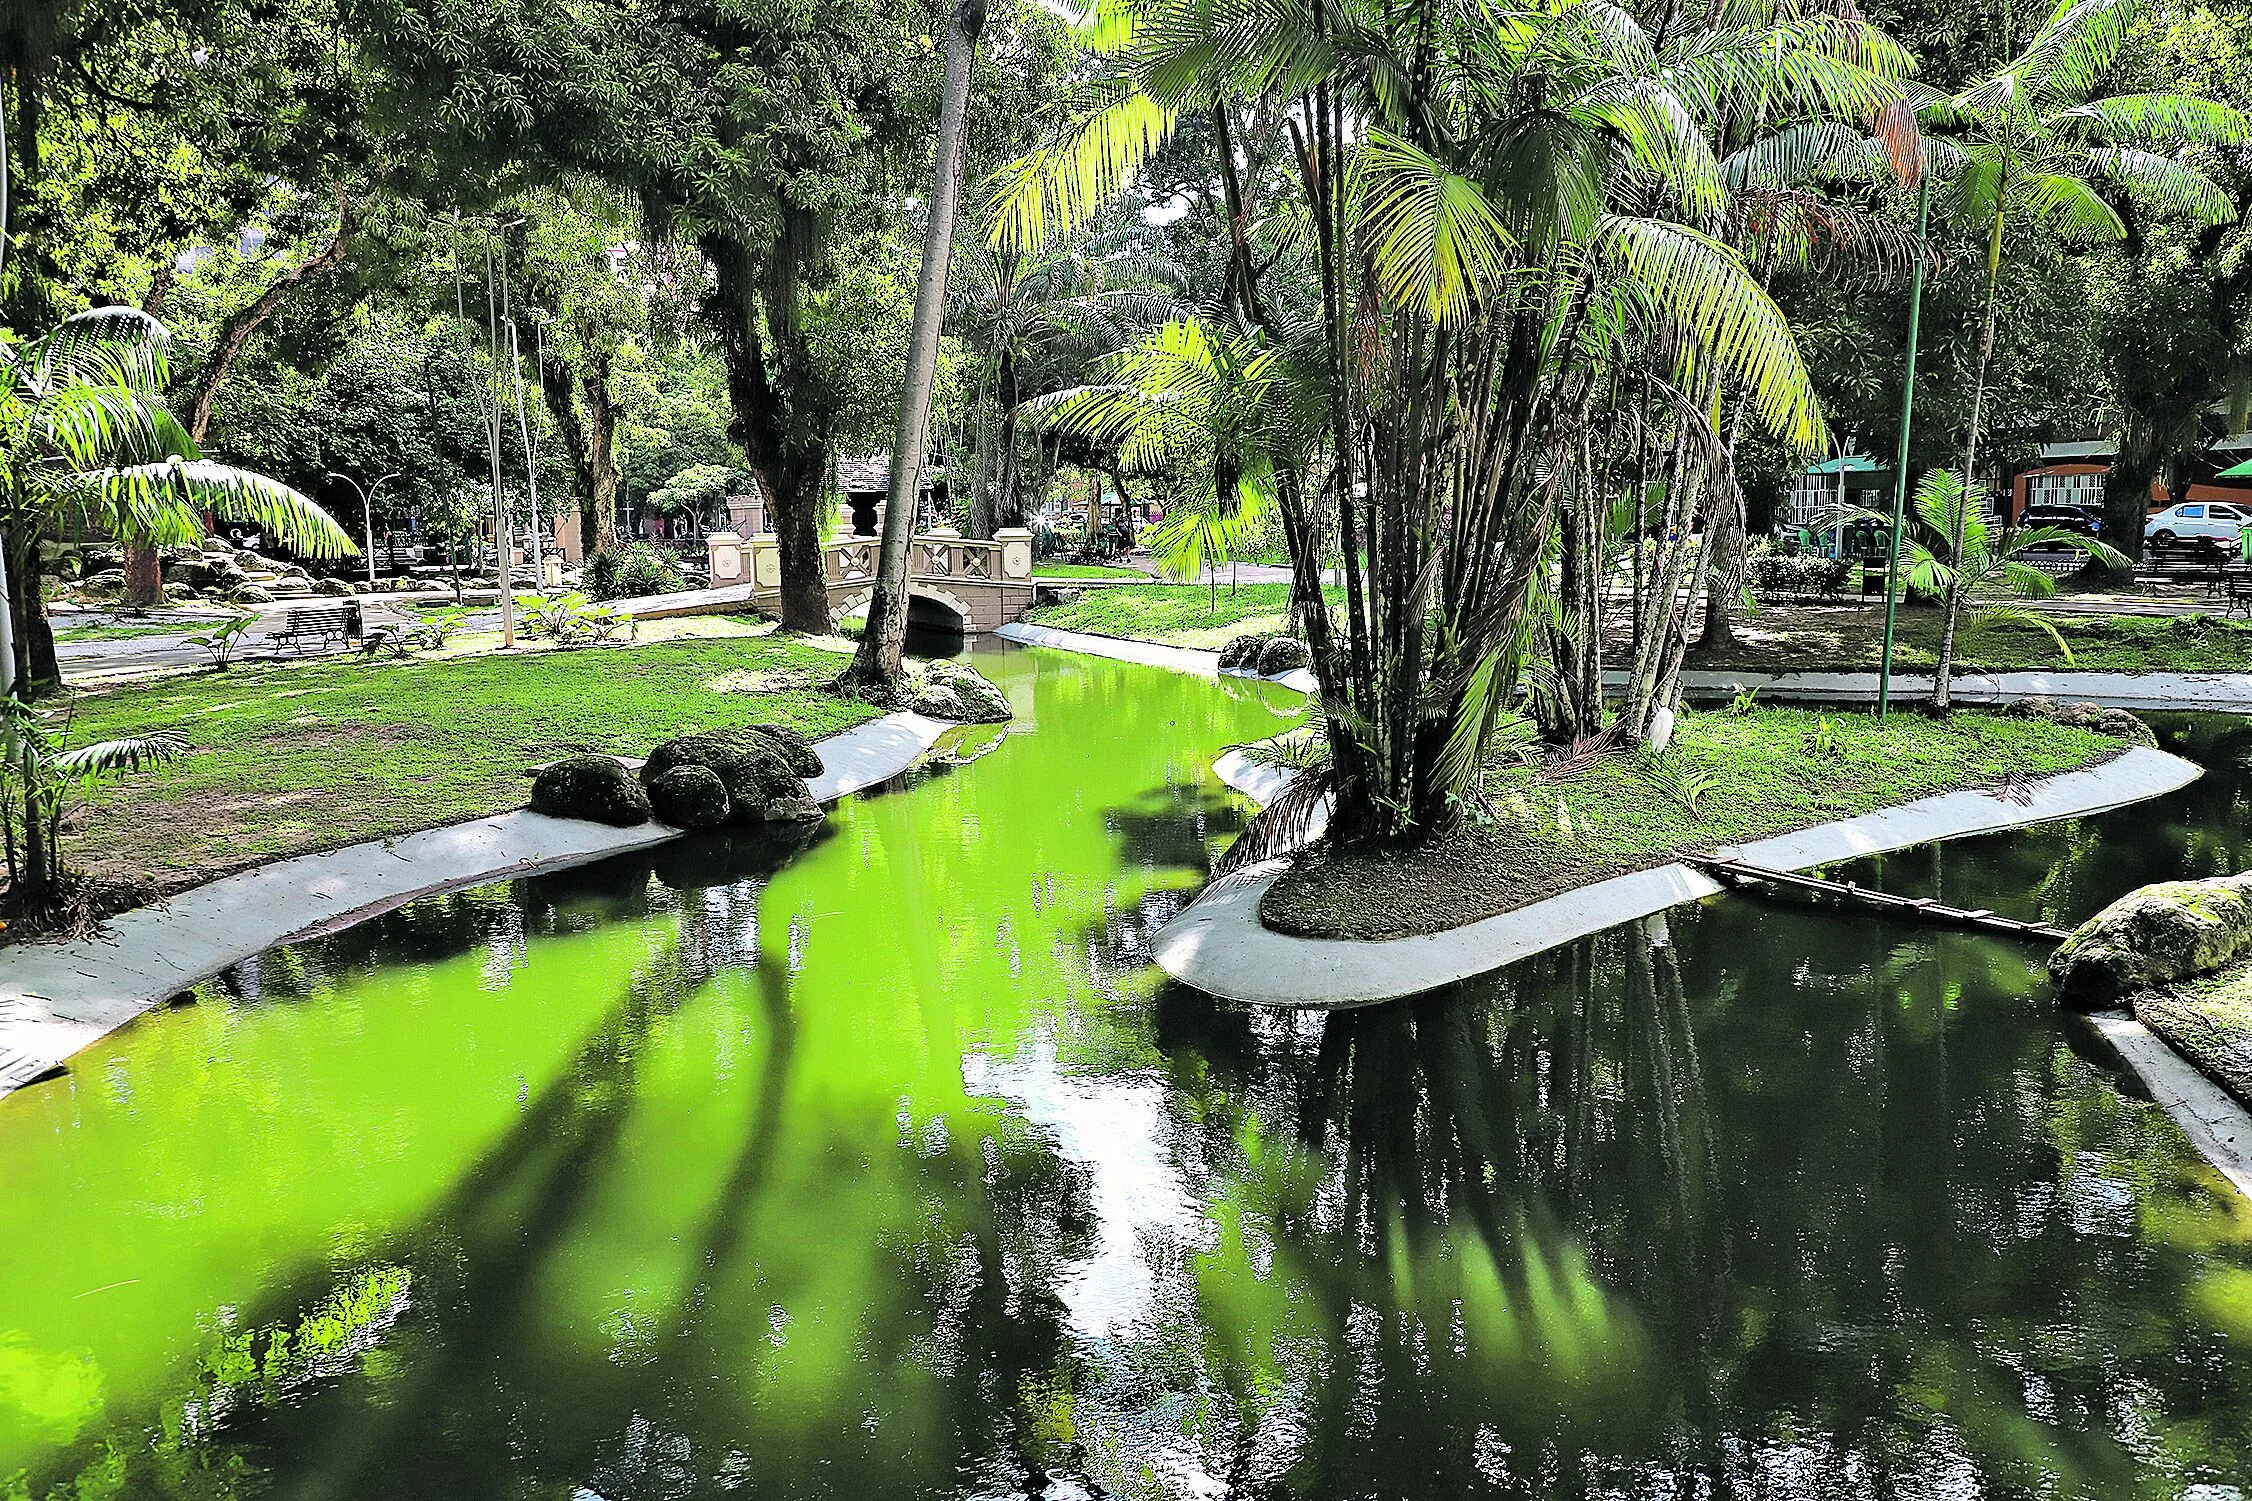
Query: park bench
[[318, 624], [2239, 586]]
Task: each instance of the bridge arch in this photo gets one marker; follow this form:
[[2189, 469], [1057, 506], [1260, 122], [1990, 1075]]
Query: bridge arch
[[927, 605]]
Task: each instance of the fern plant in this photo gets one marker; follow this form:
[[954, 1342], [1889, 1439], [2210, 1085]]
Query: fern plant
[[42, 778]]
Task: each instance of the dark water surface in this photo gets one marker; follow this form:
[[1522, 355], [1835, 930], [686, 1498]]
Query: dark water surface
[[888, 1168]]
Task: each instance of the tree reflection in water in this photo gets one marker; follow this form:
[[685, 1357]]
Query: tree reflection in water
[[889, 1170]]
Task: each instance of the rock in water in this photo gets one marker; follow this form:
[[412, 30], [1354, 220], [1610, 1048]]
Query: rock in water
[[950, 690], [2087, 717], [597, 788], [751, 766], [799, 808], [939, 701], [1283, 654], [690, 797], [803, 759], [2165, 932], [1241, 654]]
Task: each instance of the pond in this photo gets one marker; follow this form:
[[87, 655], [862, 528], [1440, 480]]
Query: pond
[[886, 1167]]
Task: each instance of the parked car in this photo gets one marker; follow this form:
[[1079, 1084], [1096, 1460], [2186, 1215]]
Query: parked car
[[2085, 520], [2206, 526]]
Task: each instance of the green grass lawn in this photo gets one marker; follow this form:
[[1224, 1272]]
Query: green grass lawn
[[1084, 571], [1726, 778], [287, 759], [1173, 614], [1851, 638]]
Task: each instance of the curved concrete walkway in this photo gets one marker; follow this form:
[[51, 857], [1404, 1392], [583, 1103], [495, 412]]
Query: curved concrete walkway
[[1188, 659], [2208, 692], [57, 998], [2202, 692], [1218, 944]]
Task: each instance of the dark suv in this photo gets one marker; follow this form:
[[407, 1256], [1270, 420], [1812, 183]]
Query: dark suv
[[2082, 519]]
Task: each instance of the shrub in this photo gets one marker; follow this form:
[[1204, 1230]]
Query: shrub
[[631, 571], [1798, 573]]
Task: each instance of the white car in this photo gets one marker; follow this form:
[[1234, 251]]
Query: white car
[[2202, 524]]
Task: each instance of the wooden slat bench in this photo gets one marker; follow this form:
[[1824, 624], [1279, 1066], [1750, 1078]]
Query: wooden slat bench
[[319, 624]]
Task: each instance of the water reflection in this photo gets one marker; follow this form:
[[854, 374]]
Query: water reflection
[[884, 1167]]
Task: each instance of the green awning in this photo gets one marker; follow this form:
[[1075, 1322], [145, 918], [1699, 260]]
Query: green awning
[[2241, 471], [1852, 463]]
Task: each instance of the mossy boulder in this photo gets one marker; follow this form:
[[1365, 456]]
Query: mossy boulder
[[1283, 654], [2103, 721], [949, 690], [761, 786], [1241, 654], [600, 789], [1265, 656], [2170, 931], [2209, 1022], [793, 747], [690, 797]]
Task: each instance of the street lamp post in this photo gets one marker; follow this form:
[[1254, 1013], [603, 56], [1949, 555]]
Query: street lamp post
[[1900, 463], [367, 514]]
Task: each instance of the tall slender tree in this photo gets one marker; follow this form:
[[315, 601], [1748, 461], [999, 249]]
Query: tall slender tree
[[875, 666], [2037, 150]]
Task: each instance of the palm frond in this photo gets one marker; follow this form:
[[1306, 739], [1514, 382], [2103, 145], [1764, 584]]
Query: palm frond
[[2162, 183], [120, 755], [1698, 286], [1435, 243], [2071, 208], [154, 498], [2154, 118], [1063, 184], [101, 346]]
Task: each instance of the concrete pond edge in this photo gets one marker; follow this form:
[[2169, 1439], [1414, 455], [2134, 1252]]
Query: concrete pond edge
[[2219, 1127], [1218, 944], [56, 999], [2216, 1125]]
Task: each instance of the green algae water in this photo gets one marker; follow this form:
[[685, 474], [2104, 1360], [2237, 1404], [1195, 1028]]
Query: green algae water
[[886, 1167]]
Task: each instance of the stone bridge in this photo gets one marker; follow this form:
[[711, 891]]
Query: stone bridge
[[953, 582]]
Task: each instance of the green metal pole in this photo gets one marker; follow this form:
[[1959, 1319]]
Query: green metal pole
[[1900, 464]]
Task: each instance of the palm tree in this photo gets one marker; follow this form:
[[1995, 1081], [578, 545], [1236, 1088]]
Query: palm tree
[[1499, 209], [1950, 547], [1062, 305], [1188, 397], [2035, 147], [86, 441]]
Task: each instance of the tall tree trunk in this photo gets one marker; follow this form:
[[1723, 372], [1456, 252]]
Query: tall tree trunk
[[1941, 694], [876, 665], [778, 417], [599, 524], [979, 518], [144, 569], [37, 673], [592, 444], [2126, 488], [559, 385]]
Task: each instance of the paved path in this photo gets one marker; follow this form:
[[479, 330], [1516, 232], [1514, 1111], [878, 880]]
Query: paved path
[[57, 998], [2216, 692]]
